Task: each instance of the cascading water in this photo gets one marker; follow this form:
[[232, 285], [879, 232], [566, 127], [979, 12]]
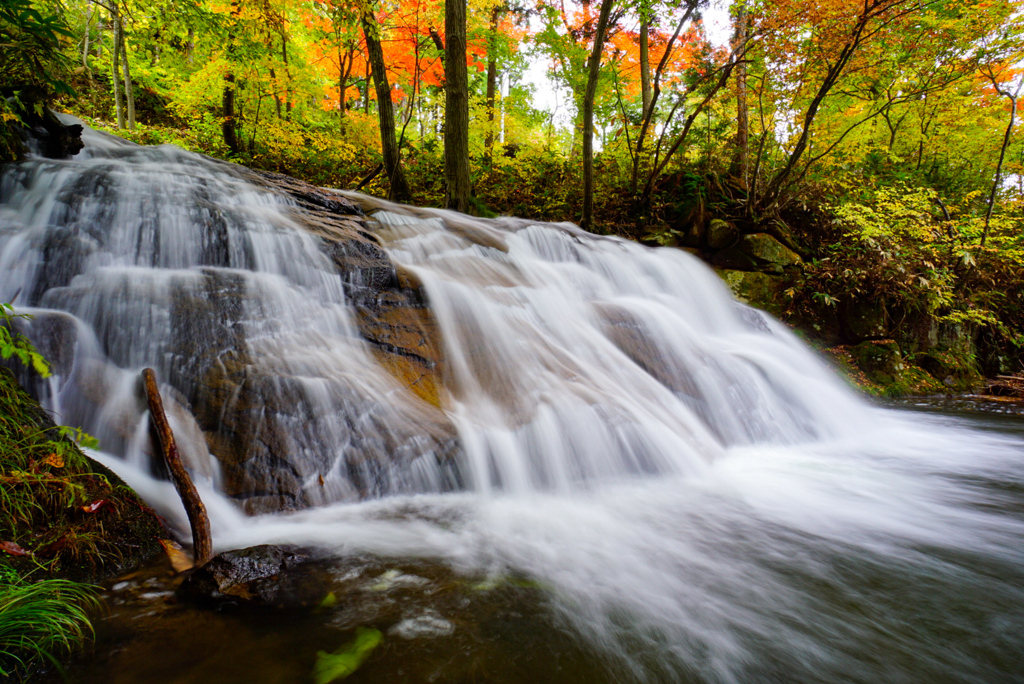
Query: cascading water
[[703, 498]]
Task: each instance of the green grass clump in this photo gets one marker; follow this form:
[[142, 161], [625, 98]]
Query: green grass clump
[[40, 621]]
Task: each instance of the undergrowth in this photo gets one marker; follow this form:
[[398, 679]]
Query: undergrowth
[[40, 621]]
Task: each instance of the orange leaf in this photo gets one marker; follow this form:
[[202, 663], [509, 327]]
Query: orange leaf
[[96, 505], [54, 461]]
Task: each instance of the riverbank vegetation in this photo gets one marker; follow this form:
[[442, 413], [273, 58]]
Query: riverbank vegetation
[[64, 520], [852, 166]]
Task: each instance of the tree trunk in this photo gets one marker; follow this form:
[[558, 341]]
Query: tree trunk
[[594, 69], [115, 76], [129, 91], [85, 45], [199, 521], [1012, 97], [399, 188], [366, 81], [492, 80], [741, 155], [645, 66], [287, 77], [456, 107], [228, 114], [277, 98]]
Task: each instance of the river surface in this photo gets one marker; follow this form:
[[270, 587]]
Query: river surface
[[649, 482], [897, 559]]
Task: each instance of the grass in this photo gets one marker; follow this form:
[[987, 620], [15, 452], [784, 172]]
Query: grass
[[40, 621]]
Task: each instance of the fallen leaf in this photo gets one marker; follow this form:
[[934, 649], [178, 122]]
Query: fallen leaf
[[96, 505], [13, 549], [54, 461], [180, 559]]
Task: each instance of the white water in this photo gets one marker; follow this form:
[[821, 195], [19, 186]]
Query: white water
[[704, 498]]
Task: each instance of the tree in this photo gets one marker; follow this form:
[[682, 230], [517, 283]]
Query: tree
[[456, 107], [593, 70], [1002, 80], [398, 186]]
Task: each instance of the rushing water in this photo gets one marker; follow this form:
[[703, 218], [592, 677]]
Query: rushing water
[[696, 495]]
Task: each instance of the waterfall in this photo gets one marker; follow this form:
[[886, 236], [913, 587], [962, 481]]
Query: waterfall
[[565, 358], [701, 496]]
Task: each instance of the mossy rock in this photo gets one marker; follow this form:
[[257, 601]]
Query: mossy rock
[[756, 289], [766, 249], [721, 234]]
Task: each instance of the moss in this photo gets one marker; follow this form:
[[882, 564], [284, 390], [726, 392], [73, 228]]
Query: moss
[[757, 289]]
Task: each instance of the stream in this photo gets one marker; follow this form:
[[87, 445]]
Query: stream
[[618, 473]]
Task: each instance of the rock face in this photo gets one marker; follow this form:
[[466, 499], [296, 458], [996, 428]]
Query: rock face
[[220, 277], [257, 578]]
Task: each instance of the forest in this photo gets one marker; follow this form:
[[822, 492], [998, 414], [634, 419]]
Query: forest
[[873, 141]]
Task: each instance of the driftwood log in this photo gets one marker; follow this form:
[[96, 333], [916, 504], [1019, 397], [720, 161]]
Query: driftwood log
[[202, 542]]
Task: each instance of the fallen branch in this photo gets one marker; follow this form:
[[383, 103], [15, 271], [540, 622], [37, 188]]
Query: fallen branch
[[202, 544]]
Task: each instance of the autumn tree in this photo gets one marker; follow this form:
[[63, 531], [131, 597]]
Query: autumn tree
[[399, 190]]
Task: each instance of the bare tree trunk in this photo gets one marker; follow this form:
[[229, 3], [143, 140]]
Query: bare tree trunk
[[366, 80], [115, 76], [1012, 97], [287, 76], [85, 45], [190, 46], [198, 520], [645, 65], [399, 187], [228, 114], [594, 69], [492, 79], [129, 91], [456, 107], [741, 155]]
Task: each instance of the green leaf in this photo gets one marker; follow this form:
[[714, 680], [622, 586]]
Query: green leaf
[[346, 660]]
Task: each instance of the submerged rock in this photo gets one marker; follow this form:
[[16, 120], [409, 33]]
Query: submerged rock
[[259, 577]]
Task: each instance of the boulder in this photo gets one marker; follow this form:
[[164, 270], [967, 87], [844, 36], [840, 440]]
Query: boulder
[[756, 289], [721, 234], [260, 577], [767, 251]]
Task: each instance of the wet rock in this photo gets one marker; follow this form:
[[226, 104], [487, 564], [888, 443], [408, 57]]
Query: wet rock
[[259, 577], [45, 132], [721, 234]]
